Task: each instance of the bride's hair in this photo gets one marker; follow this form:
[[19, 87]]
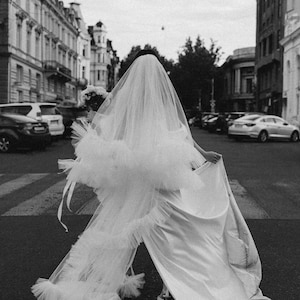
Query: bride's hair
[[145, 52]]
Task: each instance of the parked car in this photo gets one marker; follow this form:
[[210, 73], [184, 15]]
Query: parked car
[[18, 131], [211, 124], [71, 114], [262, 128], [40, 111], [207, 117]]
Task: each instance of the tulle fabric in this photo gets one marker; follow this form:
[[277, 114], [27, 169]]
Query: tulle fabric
[[138, 156]]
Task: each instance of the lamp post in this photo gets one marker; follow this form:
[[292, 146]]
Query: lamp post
[[212, 101]]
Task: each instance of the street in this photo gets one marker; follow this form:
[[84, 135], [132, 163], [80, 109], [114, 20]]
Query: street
[[265, 179]]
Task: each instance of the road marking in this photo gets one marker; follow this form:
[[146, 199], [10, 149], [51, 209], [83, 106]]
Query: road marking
[[248, 206], [20, 182], [38, 204], [86, 202], [89, 208]]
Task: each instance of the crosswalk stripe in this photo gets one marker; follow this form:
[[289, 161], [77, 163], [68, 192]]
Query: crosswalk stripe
[[22, 181], [248, 206], [85, 201], [38, 204]]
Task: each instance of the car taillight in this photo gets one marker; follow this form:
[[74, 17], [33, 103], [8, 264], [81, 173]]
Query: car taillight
[[27, 127], [250, 124]]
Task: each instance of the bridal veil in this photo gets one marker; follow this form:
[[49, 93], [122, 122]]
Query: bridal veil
[[153, 186]]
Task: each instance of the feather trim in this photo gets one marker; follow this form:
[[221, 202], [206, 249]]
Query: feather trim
[[46, 290], [131, 286]]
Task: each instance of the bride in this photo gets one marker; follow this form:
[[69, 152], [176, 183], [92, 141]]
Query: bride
[[154, 185]]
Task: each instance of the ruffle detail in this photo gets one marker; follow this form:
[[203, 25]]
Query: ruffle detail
[[132, 285], [102, 163], [46, 290]]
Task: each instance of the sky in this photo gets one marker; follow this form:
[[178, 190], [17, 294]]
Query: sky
[[166, 24]]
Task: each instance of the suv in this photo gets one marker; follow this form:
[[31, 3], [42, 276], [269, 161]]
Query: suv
[[40, 111]]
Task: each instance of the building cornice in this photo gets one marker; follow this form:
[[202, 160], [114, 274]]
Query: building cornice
[[291, 37]]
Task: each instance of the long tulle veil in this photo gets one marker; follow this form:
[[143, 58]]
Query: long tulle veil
[[137, 146]]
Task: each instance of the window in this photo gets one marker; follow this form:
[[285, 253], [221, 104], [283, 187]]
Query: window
[[19, 35], [28, 6], [83, 72], [29, 77], [249, 85], [37, 46], [63, 35], [48, 109], [38, 82], [98, 75], [20, 96], [19, 74], [99, 57], [279, 121], [23, 110], [36, 12], [28, 48], [270, 43], [269, 120]]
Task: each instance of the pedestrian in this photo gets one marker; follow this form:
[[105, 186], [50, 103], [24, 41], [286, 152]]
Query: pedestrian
[[154, 185]]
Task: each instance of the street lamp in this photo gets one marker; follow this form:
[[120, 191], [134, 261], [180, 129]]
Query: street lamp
[[212, 101]]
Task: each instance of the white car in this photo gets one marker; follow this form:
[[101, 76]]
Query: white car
[[262, 128], [40, 111]]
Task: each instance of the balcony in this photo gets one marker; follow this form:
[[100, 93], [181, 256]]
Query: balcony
[[56, 70]]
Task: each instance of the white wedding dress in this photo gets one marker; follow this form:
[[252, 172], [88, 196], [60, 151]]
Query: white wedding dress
[[153, 186]]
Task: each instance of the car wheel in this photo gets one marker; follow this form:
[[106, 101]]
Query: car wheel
[[263, 136], [295, 136], [6, 143]]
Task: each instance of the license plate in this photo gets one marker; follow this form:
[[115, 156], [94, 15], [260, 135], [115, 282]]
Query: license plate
[[54, 122], [39, 129], [238, 125]]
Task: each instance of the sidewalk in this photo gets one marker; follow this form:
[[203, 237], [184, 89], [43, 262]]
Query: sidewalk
[[32, 247]]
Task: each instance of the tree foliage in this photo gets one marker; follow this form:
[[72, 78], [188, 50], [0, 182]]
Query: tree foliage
[[193, 73]]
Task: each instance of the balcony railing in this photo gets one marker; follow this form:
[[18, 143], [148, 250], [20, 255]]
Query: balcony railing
[[53, 68]]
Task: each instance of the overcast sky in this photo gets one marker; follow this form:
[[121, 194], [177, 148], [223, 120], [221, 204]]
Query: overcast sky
[[167, 24]]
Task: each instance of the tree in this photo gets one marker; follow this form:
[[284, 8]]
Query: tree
[[168, 64], [193, 73]]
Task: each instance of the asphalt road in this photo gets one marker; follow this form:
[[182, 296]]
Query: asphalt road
[[32, 246]]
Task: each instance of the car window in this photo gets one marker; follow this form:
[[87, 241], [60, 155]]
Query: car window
[[48, 110], [269, 120], [23, 110], [8, 109], [250, 118], [280, 121]]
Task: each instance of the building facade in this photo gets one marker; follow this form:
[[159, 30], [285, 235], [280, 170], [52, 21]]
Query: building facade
[[291, 63], [104, 60], [269, 55], [238, 69], [38, 51]]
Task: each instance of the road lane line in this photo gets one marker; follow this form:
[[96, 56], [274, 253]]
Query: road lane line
[[20, 182], [249, 207]]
